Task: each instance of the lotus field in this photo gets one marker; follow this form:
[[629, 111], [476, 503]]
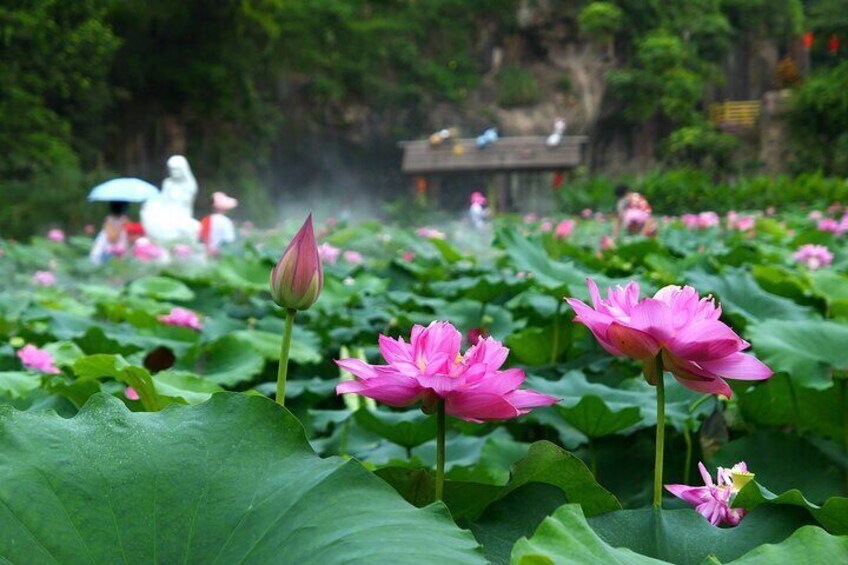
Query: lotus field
[[532, 392]]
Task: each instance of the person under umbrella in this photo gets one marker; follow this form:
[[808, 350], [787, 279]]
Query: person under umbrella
[[113, 240]]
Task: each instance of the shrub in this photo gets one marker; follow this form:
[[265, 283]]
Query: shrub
[[517, 87], [600, 20]]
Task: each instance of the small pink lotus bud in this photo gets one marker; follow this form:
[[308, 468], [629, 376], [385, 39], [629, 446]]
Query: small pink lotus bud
[[298, 277]]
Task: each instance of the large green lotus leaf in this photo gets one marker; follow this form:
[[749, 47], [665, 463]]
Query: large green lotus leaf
[[466, 314], [778, 403], [740, 294], [408, 429], [540, 345], [18, 384], [833, 514], [573, 387], [229, 361], [482, 288], [594, 419], [807, 350], [785, 462], [833, 287], [304, 344], [565, 538], [807, 545], [229, 481], [685, 537], [242, 274], [161, 288]]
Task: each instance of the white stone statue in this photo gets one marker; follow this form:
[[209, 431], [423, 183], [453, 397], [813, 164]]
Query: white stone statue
[[555, 138], [169, 218]]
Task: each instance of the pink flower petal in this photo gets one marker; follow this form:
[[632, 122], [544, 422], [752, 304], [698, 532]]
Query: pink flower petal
[[738, 366]]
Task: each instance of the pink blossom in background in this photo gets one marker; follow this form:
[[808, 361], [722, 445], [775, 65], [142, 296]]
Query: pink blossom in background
[[546, 226], [770, 211], [44, 278], [708, 220], [815, 215], [690, 221], [353, 257], [564, 229], [829, 225], [430, 233], [813, 256], [530, 218], [183, 251], [732, 217], [145, 250], [600, 216], [117, 250], [634, 219], [328, 253], [430, 368], [606, 242], [408, 256], [90, 229], [834, 208], [183, 318], [131, 394], [697, 348], [745, 223], [38, 359], [56, 235], [713, 500], [586, 213]]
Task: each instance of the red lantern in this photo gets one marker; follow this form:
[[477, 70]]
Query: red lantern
[[833, 45], [807, 40]]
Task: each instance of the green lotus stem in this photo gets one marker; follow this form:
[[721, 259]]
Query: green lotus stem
[[440, 450], [285, 346], [555, 343], [658, 462]]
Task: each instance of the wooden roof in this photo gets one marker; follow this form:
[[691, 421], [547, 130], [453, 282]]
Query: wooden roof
[[506, 154]]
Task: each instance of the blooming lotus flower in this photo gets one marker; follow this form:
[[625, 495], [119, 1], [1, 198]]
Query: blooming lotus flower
[[408, 256], [829, 225], [44, 278], [586, 213], [298, 277], [182, 317], [430, 368], [430, 233], [606, 243], [38, 359], [353, 257], [564, 229], [697, 348], [56, 235], [745, 223], [546, 226], [634, 219], [328, 253], [815, 215], [146, 251], [813, 256], [713, 500]]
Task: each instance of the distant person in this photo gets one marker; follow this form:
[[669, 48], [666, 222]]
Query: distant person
[[633, 213], [478, 212], [217, 230], [555, 138], [113, 239]]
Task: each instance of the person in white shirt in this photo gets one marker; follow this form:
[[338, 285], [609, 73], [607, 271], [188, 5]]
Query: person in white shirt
[[216, 230]]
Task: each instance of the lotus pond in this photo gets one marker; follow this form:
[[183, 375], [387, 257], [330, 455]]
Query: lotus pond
[[138, 422]]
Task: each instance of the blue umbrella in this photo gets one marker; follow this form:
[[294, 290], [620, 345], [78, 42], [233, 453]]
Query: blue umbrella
[[123, 190]]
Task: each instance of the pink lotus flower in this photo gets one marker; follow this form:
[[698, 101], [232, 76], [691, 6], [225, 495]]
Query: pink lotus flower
[[44, 278], [813, 256], [564, 229], [697, 348], [704, 220], [634, 219], [353, 257], [546, 226], [713, 500], [408, 256], [38, 359], [745, 223], [328, 253], [586, 213], [183, 318], [530, 218], [815, 215], [430, 233], [131, 393], [298, 277], [430, 368], [89, 229], [606, 242], [183, 251], [56, 235], [146, 251]]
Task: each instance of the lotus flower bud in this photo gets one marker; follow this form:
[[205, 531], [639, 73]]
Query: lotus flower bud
[[298, 278]]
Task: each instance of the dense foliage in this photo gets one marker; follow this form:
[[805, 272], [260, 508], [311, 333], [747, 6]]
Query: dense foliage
[[231, 474]]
